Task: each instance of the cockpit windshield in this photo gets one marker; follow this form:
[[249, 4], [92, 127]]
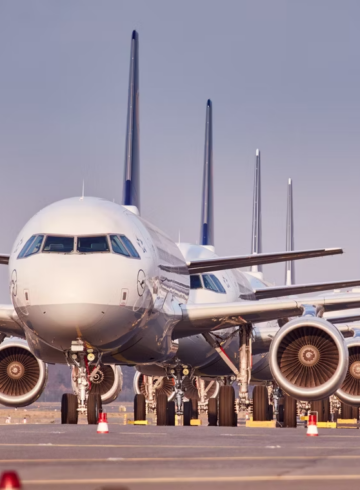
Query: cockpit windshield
[[59, 244], [91, 244]]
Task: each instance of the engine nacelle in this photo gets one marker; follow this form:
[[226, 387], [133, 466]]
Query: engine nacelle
[[308, 358], [106, 381], [23, 377], [349, 392]]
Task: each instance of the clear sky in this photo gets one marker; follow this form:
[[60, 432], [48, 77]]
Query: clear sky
[[284, 76]]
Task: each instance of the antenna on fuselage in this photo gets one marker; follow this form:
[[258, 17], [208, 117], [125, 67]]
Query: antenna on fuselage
[[131, 192], [83, 190], [207, 212], [256, 235], [289, 266]]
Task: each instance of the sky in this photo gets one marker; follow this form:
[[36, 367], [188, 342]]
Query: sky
[[283, 77]]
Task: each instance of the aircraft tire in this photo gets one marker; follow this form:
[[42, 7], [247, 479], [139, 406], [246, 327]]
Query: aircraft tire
[[187, 413], [139, 407], [290, 412], [171, 413], [281, 414], [69, 409], [226, 406], [194, 409], [161, 409], [349, 412], [213, 411], [260, 403], [94, 407], [322, 407]]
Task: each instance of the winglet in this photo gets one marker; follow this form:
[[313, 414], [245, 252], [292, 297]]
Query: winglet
[[289, 266], [256, 238], [207, 212], [131, 193]]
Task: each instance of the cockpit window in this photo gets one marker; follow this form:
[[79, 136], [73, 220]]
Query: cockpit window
[[35, 246], [130, 247], [118, 246], [59, 244], [212, 283], [26, 246], [195, 282], [91, 244]]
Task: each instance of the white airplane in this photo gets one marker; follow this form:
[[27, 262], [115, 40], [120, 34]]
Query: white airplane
[[93, 284]]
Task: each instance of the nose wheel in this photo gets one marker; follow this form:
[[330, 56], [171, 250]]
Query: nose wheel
[[69, 409]]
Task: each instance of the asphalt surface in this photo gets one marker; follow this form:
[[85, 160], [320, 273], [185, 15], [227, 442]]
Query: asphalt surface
[[150, 457]]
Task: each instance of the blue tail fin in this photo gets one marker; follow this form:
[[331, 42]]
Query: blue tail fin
[[207, 212], [131, 193], [289, 266], [256, 238]]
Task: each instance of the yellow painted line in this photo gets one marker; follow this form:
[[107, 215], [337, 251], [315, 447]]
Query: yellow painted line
[[205, 479], [200, 458]]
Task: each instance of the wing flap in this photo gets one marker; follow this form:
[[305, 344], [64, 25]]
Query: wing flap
[[221, 263]]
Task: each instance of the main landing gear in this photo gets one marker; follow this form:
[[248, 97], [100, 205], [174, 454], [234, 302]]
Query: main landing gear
[[82, 401]]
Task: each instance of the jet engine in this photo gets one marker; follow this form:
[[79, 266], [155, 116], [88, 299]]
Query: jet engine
[[349, 392], [308, 358], [23, 377], [161, 385], [106, 380]]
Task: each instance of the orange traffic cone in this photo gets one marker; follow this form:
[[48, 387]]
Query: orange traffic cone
[[103, 427], [312, 429], [10, 479]]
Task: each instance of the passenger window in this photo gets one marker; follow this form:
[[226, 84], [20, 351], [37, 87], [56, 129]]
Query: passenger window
[[91, 244], [118, 246], [195, 282], [208, 283], [130, 247], [218, 284], [26, 246], [35, 246], [59, 244]]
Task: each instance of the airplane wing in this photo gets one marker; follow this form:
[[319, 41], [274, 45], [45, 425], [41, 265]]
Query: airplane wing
[[275, 292], [9, 322], [202, 318], [220, 263], [343, 319], [4, 259]]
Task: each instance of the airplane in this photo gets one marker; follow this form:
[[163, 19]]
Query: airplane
[[92, 284]]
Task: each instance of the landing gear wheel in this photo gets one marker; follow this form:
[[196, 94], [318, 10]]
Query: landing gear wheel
[[187, 413], [194, 409], [161, 409], [289, 412], [69, 409], [349, 412], [94, 407], [322, 407], [281, 414], [213, 411], [171, 413], [260, 403], [226, 406], [139, 407], [270, 412]]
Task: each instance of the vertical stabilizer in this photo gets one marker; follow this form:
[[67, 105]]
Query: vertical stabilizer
[[256, 238], [290, 268], [131, 193], [207, 212]]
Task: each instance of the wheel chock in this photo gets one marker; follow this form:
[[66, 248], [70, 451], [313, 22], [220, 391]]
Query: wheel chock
[[195, 422], [326, 425], [347, 424], [137, 422], [267, 424]]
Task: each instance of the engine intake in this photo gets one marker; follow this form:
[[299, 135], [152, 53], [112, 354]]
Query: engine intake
[[308, 358], [106, 381], [23, 377], [349, 392]]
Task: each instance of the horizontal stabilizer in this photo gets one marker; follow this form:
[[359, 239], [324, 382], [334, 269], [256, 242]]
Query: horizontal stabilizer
[[202, 318], [221, 263], [276, 292], [4, 259]]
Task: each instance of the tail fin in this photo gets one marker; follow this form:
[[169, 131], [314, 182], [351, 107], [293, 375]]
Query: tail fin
[[290, 267], [131, 193], [256, 238], [207, 213]]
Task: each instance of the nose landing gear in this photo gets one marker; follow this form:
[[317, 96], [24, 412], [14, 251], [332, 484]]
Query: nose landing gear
[[82, 401]]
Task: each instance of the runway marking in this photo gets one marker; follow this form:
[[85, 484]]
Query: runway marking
[[205, 479], [200, 458]]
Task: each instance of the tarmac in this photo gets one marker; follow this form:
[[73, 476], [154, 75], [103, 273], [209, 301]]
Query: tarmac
[[150, 457]]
